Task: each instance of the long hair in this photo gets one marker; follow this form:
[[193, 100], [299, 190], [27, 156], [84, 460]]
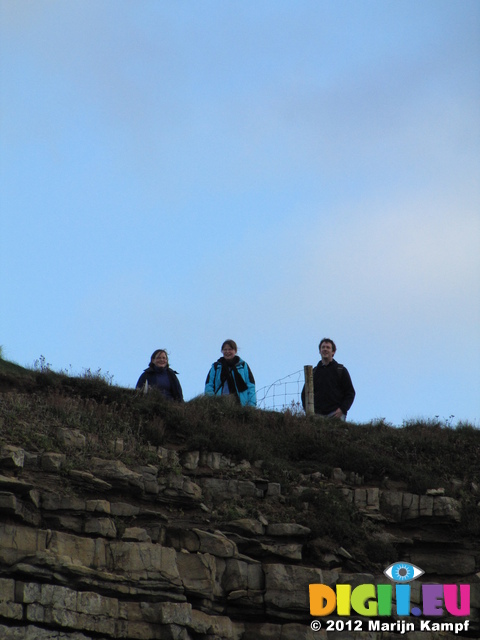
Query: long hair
[[156, 352]]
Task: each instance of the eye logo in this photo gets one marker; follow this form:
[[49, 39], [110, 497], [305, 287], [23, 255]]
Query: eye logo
[[403, 572]]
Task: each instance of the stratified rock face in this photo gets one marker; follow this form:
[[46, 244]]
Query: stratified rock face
[[120, 553]]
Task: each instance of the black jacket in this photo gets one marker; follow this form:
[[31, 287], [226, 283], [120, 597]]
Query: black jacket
[[150, 375], [332, 388]]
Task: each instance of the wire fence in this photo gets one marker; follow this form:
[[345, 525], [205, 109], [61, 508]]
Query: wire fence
[[283, 394]]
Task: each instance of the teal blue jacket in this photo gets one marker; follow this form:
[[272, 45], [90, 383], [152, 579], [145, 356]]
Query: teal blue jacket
[[242, 377]]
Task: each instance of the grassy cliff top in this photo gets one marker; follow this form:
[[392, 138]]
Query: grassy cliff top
[[422, 455]]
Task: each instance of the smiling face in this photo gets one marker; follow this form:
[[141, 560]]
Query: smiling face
[[326, 351], [160, 359], [228, 350]]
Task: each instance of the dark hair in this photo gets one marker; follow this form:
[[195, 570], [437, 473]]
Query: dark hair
[[231, 343], [157, 351], [334, 348]]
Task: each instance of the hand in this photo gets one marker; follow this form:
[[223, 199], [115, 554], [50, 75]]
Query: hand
[[337, 413]]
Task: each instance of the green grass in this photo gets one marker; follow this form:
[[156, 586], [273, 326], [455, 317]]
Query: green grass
[[36, 403], [425, 454]]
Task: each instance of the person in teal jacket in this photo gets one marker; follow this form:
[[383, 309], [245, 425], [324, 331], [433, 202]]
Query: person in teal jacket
[[230, 375]]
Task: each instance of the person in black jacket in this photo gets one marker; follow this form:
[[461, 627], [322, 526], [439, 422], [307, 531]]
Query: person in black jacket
[[333, 391], [158, 375]]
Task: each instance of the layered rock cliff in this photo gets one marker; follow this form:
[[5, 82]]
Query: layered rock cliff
[[106, 535], [146, 552]]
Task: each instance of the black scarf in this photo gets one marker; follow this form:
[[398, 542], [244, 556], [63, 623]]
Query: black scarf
[[230, 374]]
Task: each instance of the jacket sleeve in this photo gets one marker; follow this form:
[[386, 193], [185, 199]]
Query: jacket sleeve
[[348, 392], [179, 391], [176, 387], [141, 381], [251, 392], [210, 382]]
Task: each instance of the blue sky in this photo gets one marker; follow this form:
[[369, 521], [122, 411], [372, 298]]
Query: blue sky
[[175, 173]]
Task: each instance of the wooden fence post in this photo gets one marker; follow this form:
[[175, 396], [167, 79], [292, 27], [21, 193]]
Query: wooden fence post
[[309, 409]]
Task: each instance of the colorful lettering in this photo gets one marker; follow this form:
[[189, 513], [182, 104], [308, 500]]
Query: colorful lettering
[[363, 600], [402, 595], [322, 600], [451, 600], [343, 599], [432, 599], [370, 600], [384, 596]]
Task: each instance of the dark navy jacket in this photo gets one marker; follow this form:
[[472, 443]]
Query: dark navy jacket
[[172, 390]]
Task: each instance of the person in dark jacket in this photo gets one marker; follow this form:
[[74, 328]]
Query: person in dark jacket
[[333, 391], [158, 375], [230, 375]]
